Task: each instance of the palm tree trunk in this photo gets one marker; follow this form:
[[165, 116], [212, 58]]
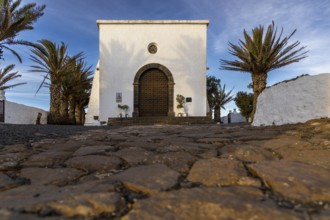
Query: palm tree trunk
[[55, 101], [82, 115], [78, 115], [259, 84], [64, 109], [72, 109], [217, 117]]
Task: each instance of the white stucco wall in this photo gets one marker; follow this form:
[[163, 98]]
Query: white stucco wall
[[94, 103], [295, 101], [22, 114], [123, 51]]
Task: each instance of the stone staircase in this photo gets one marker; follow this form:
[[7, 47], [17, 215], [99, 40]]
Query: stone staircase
[[160, 120]]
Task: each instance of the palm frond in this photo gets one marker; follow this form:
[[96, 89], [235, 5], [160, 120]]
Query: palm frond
[[13, 52], [41, 84], [224, 97], [15, 19], [263, 53], [6, 75]]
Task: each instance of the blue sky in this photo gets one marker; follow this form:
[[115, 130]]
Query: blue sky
[[74, 23]]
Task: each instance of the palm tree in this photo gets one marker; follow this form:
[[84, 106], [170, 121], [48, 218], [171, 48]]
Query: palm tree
[[212, 87], [6, 75], [13, 20], [81, 102], [68, 82], [53, 60], [221, 99], [217, 96], [74, 86], [82, 89], [260, 54]]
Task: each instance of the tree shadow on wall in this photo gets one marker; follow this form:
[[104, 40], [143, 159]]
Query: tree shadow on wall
[[190, 50], [121, 60], [127, 58]]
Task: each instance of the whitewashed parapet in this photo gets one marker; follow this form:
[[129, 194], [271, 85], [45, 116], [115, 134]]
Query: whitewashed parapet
[[21, 114], [294, 101]]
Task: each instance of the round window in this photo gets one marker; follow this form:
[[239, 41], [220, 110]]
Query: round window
[[152, 48]]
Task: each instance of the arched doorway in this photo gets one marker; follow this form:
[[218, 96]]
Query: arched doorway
[[153, 91]]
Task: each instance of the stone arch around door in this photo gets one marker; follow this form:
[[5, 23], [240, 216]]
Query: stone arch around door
[[142, 76]]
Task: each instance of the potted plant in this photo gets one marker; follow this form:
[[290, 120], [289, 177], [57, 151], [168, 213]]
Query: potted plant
[[181, 102], [124, 108]]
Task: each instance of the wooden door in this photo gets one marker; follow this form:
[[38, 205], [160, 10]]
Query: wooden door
[[153, 93]]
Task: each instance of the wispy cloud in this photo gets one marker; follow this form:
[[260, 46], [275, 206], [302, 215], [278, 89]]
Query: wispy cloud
[[21, 94]]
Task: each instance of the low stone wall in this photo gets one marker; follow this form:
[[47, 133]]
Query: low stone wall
[[22, 114], [294, 101]]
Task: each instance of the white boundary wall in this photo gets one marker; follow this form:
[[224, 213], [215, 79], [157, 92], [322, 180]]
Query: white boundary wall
[[294, 101], [22, 114]]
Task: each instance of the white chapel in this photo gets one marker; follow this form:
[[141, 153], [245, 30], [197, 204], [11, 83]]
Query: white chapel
[[145, 64]]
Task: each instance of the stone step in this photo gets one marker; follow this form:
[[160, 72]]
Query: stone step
[[160, 120]]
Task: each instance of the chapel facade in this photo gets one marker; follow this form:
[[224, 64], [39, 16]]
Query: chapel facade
[[145, 64]]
